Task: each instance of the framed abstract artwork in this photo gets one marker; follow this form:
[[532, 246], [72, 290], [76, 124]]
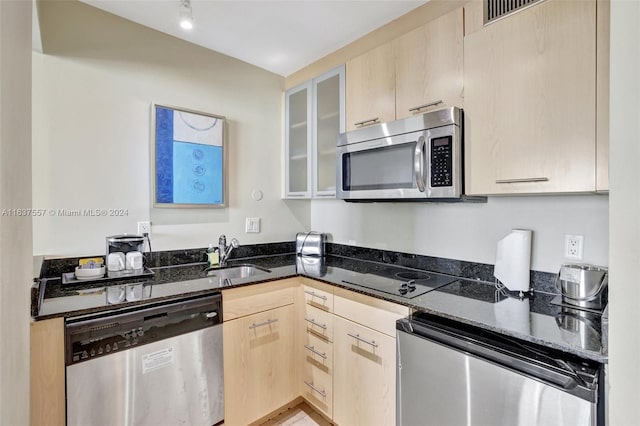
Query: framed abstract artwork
[[188, 158]]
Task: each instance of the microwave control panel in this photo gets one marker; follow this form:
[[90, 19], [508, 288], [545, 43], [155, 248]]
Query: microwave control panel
[[441, 150]]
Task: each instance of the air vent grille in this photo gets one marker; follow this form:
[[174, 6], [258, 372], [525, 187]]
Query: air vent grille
[[496, 9]]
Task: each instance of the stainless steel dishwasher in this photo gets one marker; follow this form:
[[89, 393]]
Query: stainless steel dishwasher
[[449, 374], [159, 365]]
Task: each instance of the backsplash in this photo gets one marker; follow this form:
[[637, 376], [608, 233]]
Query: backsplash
[[54, 268], [540, 281]]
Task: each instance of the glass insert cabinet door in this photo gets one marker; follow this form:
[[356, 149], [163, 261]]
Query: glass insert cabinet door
[[329, 121], [314, 116], [298, 134]]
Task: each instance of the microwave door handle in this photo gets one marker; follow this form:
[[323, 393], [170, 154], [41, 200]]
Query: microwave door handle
[[418, 163]]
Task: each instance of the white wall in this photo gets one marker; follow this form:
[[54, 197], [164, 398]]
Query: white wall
[[624, 294], [470, 231], [92, 92], [15, 192]]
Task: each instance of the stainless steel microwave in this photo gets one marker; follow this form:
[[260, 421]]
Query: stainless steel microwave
[[416, 158]]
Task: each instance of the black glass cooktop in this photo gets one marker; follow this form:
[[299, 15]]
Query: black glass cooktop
[[404, 284]]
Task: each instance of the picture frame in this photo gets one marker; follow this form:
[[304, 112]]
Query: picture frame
[[188, 158]]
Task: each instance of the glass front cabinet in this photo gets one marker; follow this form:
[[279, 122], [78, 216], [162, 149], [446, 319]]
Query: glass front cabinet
[[314, 116]]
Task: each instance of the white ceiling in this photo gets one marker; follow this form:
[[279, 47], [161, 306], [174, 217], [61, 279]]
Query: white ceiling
[[280, 36]]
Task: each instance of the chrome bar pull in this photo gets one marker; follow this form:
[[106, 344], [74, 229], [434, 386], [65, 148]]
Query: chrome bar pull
[[321, 392], [314, 294], [363, 122], [267, 322], [419, 107], [312, 349], [523, 180], [368, 342], [418, 163], [313, 322]]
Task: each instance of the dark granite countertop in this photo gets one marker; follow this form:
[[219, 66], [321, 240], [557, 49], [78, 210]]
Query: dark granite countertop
[[472, 302]]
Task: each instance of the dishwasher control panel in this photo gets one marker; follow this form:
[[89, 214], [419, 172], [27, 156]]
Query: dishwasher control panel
[[88, 338]]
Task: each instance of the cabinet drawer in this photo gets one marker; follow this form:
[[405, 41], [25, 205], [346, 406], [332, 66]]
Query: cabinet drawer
[[318, 322], [317, 389], [316, 351], [374, 313], [248, 300], [319, 296]]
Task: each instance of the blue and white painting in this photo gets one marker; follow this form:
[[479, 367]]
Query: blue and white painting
[[189, 158]]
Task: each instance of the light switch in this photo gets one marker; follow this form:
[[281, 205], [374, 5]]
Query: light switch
[[252, 225]]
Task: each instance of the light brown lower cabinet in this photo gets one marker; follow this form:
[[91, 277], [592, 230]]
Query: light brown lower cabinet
[[258, 364], [315, 345], [47, 373], [364, 382], [281, 341]]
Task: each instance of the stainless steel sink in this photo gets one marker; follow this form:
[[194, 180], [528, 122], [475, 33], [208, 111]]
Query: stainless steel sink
[[239, 271]]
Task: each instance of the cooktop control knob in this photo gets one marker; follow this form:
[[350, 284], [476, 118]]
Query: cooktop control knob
[[411, 284], [404, 288]]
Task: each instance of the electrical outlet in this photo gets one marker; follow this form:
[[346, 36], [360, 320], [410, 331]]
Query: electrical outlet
[[252, 225], [144, 227], [573, 246]]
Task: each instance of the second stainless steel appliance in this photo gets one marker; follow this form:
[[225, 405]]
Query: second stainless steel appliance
[[159, 365], [584, 286], [452, 375], [417, 158]]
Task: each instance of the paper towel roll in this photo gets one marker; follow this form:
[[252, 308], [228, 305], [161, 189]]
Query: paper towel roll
[[513, 260]]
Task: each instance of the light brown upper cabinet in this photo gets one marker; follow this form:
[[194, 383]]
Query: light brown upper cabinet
[[429, 65], [530, 101], [370, 84], [403, 77]]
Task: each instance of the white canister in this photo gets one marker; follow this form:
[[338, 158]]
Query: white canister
[[134, 260], [115, 261]]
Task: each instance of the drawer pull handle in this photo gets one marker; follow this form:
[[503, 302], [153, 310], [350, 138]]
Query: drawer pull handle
[[312, 349], [368, 342], [321, 392], [313, 322], [314, 294], [523, 180], [419, 107], [363, 122], [267, 322]]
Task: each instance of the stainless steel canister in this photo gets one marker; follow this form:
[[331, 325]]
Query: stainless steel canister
[[583, 285], [310, 243]]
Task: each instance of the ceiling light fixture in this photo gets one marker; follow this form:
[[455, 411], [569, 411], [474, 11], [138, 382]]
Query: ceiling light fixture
[[185, 14]]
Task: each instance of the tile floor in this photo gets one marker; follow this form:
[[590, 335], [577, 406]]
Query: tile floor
[[300, 415]]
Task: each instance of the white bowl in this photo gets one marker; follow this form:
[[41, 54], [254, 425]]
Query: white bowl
[[89, 273]]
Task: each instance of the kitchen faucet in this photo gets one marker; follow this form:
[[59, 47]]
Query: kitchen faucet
[[225, 250]]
